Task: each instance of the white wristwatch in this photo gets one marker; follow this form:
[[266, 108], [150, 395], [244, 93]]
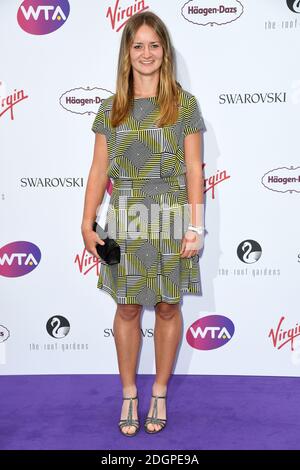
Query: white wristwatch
[[198, 230]]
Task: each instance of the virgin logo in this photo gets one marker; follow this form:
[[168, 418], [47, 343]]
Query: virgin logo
[[211, 182], [36, 17], [19, 258], [210, 332], [281, 337], [119, 16], [86, 261], [8, 102]]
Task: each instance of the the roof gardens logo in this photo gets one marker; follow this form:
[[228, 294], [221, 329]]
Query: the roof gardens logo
[[294, 5]]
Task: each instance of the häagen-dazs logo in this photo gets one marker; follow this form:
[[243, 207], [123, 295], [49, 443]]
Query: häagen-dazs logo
[[83, 100], [4, 333], [37, 17], [210, 332], [212, 12], [282, 180], [19, 258]]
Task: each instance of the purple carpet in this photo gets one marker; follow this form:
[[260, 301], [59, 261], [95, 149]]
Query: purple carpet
[[204, 412]]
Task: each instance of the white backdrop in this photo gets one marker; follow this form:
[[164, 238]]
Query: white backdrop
[[241, 60]]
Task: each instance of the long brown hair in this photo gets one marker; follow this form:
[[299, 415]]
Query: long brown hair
[[168, 87]]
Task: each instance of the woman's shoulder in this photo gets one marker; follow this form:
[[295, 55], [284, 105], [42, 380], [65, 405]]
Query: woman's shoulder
[[185, 97], [106, 103]]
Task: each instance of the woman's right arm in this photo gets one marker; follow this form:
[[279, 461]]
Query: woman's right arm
[[95, 189]]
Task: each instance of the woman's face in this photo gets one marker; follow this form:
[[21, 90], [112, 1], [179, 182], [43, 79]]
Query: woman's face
[[146, 52]]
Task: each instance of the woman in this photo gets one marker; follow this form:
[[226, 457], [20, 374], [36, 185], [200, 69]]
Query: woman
[[148, 141]]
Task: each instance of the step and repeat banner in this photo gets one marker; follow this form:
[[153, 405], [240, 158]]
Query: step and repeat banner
[[241, 61]]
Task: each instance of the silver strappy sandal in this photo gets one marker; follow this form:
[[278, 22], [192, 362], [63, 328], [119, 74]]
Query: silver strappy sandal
[[129, 421], [154, 419]]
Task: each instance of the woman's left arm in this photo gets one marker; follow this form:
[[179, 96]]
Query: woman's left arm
[[192, 242]]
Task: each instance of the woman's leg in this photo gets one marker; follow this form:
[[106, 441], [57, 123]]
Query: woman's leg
[[127, 336], [167, 335]]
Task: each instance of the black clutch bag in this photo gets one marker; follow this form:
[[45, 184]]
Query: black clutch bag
[[110, 252]]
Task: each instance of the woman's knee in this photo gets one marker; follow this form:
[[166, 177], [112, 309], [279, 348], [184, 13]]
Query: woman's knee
[[129, 311], [167, 311]]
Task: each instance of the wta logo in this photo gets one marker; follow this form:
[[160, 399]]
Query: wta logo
[[36, 17], [19, 258], [210, 332]]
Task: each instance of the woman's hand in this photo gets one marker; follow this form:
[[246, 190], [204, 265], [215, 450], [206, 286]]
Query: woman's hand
[[91, 238], [191, 243]]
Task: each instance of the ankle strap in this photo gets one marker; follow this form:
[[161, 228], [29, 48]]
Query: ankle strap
[[130, 398], [156, 396]]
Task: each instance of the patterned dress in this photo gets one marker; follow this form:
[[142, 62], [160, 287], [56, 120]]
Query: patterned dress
[[148, 208]]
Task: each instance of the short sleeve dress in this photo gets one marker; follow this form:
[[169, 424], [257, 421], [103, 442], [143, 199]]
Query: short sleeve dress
[[148, 208]]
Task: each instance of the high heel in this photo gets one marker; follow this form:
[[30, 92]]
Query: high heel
[[154, 419], [129, 421]]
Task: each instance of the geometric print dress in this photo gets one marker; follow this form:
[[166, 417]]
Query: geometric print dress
[[148, 208]]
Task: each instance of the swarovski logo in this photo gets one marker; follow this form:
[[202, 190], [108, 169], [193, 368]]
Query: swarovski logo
[[253, 98]]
